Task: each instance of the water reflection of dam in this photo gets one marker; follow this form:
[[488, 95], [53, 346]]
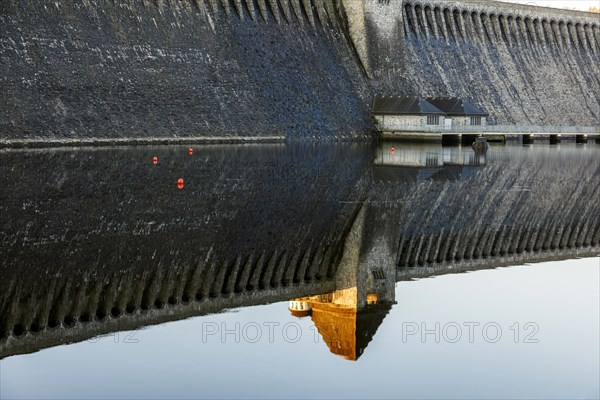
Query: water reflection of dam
[[104, 241], [418, 163], [520, 206]]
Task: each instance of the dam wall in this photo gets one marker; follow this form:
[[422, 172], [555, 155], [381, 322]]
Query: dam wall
[[524, 65], [183, 68], [246, 70]]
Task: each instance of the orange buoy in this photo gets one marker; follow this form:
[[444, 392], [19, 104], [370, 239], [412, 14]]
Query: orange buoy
[[154, 160], [180, 183], [191, 151]]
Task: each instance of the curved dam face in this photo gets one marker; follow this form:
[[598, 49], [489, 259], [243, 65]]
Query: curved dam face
[[194, 68], [524, 65]]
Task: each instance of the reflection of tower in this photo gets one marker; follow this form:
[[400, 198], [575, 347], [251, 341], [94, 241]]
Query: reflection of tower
[[347, 331], [348, 318]]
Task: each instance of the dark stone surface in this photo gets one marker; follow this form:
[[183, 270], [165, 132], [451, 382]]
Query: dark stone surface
[[161, 69], [283, 68]]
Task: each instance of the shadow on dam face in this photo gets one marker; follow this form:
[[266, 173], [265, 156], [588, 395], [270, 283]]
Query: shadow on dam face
[[103, 240]]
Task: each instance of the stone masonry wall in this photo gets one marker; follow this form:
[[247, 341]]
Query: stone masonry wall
[[195, 68], [523, 65], [294, 69]]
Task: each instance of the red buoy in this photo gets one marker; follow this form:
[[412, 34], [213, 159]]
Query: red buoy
[[392, 149], [180, 183], [191, 151], [154, 160]]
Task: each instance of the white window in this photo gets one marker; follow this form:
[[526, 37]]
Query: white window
[[475, 120]]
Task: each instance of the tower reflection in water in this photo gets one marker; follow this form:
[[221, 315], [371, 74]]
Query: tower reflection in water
[[348, 318]]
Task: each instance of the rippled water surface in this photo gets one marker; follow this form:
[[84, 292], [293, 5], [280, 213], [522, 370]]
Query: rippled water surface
[[300, 270]]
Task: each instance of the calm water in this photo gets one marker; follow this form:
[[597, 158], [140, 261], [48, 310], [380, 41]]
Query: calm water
[[294, 271]]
